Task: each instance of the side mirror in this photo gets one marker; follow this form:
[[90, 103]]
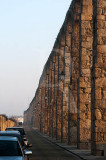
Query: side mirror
[[27, 152]]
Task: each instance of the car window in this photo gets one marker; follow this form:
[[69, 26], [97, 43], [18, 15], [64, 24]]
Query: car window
[[15, 135], [10, 148]]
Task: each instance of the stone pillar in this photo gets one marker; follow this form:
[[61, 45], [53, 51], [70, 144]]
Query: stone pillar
[[43, 102], [36, 111], [46, 100], [67, 71], [50, 98], [40, 106], [75, 18], [54, 94], [56, 54], [3, 122], [84, 81], [64, 94], [98, 145], [60, 83]]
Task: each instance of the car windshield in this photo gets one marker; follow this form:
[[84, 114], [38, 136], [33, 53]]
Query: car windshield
[[10, 148]]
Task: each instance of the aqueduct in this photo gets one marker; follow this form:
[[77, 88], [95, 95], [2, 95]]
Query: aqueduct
[[70, 101], [6, 122]]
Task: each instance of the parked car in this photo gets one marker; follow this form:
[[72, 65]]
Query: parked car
[[10, 149], [22, 132], [20, 123], [20, 129], [14, 134]]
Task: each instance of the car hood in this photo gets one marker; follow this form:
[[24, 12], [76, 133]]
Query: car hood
[[11, 158]]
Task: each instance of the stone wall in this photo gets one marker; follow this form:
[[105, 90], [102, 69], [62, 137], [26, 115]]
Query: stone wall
[[70, 102], [6, 122]]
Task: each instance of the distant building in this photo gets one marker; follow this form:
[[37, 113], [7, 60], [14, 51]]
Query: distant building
[[18, 119]]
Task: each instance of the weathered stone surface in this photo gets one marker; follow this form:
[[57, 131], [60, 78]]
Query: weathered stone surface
[[101, 48], [71, 97], [98, 114], [100, 82], [6, 122]]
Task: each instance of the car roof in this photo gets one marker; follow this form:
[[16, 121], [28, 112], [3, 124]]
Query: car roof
[[14, 128], [10, 132], [8, 138]]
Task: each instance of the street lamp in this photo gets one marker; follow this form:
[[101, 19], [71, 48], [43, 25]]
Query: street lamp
[[33, 111], [62, 76], [38, 103], [45, 97]]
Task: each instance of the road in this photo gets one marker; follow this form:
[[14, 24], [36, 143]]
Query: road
[[45, 150]]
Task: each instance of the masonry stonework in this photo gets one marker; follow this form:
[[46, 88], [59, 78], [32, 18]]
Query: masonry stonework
[[70, 102], [6, 122]]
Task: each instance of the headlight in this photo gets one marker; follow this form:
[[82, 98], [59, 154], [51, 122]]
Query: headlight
[[26, 143]]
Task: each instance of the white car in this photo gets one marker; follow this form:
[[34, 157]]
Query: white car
[[11, 149]]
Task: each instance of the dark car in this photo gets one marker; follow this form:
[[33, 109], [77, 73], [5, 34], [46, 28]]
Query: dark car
[[14, 134], [21, 130], [10, 149], [20, 123]]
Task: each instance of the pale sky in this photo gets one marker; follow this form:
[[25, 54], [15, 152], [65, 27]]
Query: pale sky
[[28, 29]]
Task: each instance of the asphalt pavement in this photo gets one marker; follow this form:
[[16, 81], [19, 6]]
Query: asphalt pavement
[[45, 150]]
